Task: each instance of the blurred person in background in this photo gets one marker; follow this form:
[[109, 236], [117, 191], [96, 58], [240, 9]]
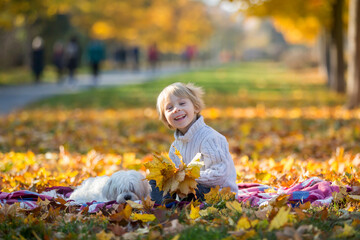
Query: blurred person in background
[[72, 58], [96, 54], [153, 56], [135, 52], [37, 58], [121, 56], [188, 55], [58, 60]]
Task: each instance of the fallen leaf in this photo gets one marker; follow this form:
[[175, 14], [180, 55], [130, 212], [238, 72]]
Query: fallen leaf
[[280, 219], [143, 217], [243, 224], [104, 236], [194, 212], [234, 206]]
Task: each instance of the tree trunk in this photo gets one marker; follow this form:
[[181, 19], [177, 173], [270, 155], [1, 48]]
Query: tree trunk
[[337, 81], [27, 45], [324, 52], [353, 86]]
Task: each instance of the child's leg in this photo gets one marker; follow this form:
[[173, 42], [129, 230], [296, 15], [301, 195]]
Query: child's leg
[[200, 192], [157, 195]]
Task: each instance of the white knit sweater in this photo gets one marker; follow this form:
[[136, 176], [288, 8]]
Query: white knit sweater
[[218, 167]]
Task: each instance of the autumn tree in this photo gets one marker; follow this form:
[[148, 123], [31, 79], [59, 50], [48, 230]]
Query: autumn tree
[[23, 14], [171, 24], [301, 21], [353, 87]]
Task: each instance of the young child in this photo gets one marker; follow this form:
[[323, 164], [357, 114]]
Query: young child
[[179, 106]]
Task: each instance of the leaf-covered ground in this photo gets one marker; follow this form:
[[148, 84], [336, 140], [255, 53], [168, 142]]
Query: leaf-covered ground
[[282, 127]]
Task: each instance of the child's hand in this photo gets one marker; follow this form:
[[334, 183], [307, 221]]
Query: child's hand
[[196, 161]]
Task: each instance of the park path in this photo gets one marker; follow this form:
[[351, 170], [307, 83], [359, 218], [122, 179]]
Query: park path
[[16, 97]]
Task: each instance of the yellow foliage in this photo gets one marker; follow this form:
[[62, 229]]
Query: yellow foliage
[[280, 219], [303, 30], [347, 231], [135, 205], [143, 217], [300, 21], [171, 179], [171, 24], [194, 212], [104, 236], [263, 176], [101, 30], [127, 211], [208, 211], [234, 206], [215, 195], [243, 224]]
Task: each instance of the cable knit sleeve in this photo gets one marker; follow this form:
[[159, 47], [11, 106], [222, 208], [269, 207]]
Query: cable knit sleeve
[[216, 157]]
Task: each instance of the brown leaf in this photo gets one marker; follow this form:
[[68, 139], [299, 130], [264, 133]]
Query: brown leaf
[[305, 206], [262, 214], [174, 227], [280, 200], [323, 214], [300, 213], [116, 229], [61, 201]]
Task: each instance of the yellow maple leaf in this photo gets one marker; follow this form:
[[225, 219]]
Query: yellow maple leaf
[[161, 168], [243, 224], [208, 211], [348, 231], [171, 179], [234, 206], [176, 237], [226, 194], [213, 196], [187, 186], [143, 217], [195, 165], [263, 176], [135, 205], [280, 219], [194, 212], [104, 236], [216, 195], [127, 211]]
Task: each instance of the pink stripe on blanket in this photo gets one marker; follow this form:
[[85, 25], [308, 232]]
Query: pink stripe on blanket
[[312, 190]]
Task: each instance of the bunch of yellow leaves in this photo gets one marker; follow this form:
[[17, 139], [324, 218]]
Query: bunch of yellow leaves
[[171, 179], [216, 195]]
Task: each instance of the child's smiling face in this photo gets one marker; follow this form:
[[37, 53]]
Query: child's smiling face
[[180, 113]]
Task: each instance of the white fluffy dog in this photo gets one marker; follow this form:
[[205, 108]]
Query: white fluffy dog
[[121, 186]]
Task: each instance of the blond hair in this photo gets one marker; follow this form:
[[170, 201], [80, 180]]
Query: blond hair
[[178, 89]]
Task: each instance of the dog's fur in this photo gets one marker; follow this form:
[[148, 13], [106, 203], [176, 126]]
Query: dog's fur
[[121, 186]]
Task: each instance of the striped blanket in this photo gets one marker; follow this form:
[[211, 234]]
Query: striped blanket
[[314, 190]]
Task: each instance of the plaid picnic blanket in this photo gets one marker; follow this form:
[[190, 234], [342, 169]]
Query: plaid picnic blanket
[[314, 190]]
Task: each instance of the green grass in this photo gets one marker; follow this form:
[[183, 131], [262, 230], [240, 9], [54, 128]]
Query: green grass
[[237, 85], [14, 227], [23, 75], [201, 232]]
